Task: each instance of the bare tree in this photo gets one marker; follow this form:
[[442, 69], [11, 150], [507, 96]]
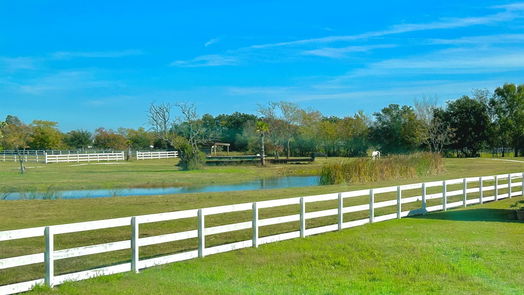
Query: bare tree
[[159, 116], [424, 109], [195, 130], [281, 116], [438, 134]]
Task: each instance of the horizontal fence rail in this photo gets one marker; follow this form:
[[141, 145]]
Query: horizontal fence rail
[[26, 156], [95, 157], [472, 185], [39, 155], [156, 155]]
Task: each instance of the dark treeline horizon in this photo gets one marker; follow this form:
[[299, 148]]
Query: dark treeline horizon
[[484, 121]]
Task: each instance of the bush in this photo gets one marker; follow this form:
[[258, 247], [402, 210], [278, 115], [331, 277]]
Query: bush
[[394, 167], [192, 159]]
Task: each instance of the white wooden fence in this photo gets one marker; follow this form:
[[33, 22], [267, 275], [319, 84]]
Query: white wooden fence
[[27, 156], [95, 157], [49, 232], [156, 155]]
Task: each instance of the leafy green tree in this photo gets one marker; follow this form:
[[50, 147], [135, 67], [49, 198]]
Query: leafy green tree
[[397, 129], [262, 128], [2, 125], [277, 135], [329, 136], [108, 139], [309, 128], [46, 136], [469, 120], [508, 106], [138, 139], [16, 135], [78, 139], [354, 135], [13, 120]]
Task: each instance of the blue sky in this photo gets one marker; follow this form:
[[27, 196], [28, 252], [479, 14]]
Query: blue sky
[[88, 64]]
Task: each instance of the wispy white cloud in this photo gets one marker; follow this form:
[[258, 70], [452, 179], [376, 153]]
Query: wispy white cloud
[[111, 100], [442, 88], [511, 6], [211, 60], [64, 81], [459, 61], [310, 46], [481, 40], [10, 64], [96, 54], [211, 42], [509, 13], [341, 52]]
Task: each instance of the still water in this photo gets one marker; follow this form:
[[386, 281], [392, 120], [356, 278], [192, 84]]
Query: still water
[[268, 183]]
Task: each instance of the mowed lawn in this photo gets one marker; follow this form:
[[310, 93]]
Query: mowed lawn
[[478, 250]]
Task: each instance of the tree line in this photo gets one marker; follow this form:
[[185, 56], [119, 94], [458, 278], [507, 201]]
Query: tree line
[[484, 121]]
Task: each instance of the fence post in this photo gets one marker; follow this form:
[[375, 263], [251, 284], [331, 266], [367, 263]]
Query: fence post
[[371, 206], [201, 234], [399, 202], [302, 218], [424, 201], [522, 184], [48, 257], [255, 225], [340, 209], [444, 196], [509, 185], [496, 187], [465, 192], [135, 256], [481, 189]]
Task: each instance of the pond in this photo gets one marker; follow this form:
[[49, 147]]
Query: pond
[[267, 183]]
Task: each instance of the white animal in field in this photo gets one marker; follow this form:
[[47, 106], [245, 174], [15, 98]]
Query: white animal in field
[[375, 155]]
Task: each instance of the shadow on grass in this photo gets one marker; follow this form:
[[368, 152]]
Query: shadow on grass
[[481, 214]]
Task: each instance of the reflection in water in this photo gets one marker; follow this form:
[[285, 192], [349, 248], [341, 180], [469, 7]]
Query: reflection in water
[[268, 183]]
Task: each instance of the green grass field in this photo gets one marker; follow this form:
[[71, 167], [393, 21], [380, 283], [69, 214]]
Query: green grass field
[[473, 251], [165, 173], [30, 213], [147, 173]]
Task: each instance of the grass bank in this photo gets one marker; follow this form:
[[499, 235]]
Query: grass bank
[[473, 251]]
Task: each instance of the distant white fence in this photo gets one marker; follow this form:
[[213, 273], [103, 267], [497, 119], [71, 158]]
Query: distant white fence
[[40, 155], [26, 156], [156, 155], [49, 232], [66, 158]]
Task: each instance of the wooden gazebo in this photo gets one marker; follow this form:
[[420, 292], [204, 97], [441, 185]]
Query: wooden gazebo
[[216, 145]]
